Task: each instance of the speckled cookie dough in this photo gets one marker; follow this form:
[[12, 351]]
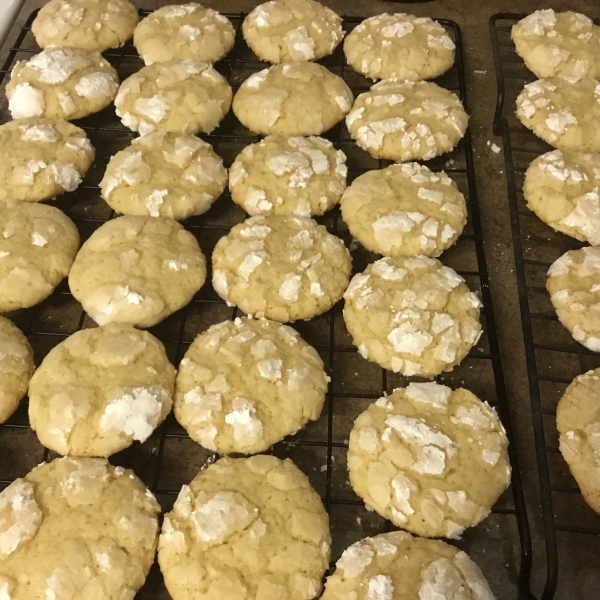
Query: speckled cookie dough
[[246, 528], [574, 287], [399, 45], [302, 176], [16, 368], [404, 210], [298, 98], [558, 43], [563, 190], [101, 389], [244, 385], [164, 174], [183, 96], [563, 111], [37, 246], [398, 566], [137, 270], [76, 528], [431, 459], [184, 31], [61, 83], [578, 422], [289, 30], [283, 268], [41, 158], [406, 120], [412, 315]]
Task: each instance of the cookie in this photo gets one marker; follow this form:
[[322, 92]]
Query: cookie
[[246, 528], [302, 176], [405, 120], [101, 389], [398, 566], [430, 459], [164, 174], [297, 98], [244, 385], [41, 158], [183, 31], [183, 96], [412, 315], [404, 210], [563, 111], [290, 30], [16, 368], [574, 287], [283, 268], [563, 190], [399, 45], [94, 25], [76, 528], [38, 244], [578, 422], [61, 83], [558, 43], [137, 270]]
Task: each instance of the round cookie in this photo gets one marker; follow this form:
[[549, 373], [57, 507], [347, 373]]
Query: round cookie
[[574, 287], [164, 174], [61, 83], [16, 367], [182, 96], [76, 528], [302, 176], [289, 30], [244, 385], [137, 270], [87, 24], [101, 389], [283, 268], [430, 459], [37, 246], [578, 422], [563, 111], [41, 158], [404, 210], [298, 98], [184, 31], [246, 528], [563, 190], [558, 43], [401, 46], [412, 315], [406, 120]]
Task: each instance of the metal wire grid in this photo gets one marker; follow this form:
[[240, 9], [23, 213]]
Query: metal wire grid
[[169, 458], [553, 357]]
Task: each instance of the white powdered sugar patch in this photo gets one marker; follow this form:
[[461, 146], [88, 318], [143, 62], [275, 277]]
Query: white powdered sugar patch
[[26, 101], [380, 587], [432, 393], [247, 428], [355, 559], [20, 516], [96, 86]]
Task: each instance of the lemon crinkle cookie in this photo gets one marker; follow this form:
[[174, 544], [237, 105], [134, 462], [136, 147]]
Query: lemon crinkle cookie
[[399, 45], [279, 175], [283, 268], [289, 30], [76, 528], [101, 389], [137, 270], [246, 528], [164, 174], [183, 96], [182, 31], [61, 83], [244, 385], [298, 98]]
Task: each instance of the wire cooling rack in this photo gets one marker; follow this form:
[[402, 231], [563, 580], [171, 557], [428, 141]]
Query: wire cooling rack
[[553, 357], [169, 458]]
